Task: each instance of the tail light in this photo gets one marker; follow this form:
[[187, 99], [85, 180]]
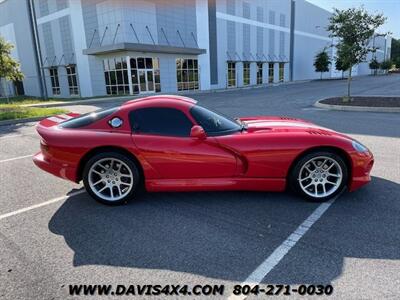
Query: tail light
[[43, 146], [369, 166]]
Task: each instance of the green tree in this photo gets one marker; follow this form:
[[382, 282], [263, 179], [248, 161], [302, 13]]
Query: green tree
[[374, 65], [322, 62], [395, 52], [386, 65], [354, 28], [9, 67], [341, 64], [397, 62]]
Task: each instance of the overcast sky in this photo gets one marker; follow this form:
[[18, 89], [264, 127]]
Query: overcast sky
[[390, 9]]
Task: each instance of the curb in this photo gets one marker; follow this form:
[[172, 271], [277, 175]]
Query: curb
[[132, 97], [76, 102], [356, 108], [21, 121]]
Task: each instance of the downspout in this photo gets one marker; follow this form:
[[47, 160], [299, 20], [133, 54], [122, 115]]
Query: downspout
[[292, 26], [36, 48]]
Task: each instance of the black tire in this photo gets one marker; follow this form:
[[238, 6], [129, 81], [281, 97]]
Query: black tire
[[294, 183], [129, 163]]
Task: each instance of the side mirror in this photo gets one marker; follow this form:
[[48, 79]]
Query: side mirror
[[198, 132]]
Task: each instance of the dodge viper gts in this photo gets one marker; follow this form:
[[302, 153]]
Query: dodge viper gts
[[171, 143]]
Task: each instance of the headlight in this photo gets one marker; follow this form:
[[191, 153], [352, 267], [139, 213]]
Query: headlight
[[359, 147]]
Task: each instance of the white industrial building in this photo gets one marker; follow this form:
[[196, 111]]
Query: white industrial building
[[84, 48]]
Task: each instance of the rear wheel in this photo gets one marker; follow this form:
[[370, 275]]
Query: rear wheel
[[111, 178], [319, 176]]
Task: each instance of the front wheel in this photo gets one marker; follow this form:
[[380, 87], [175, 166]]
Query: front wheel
[[319, 176], [111, 178]]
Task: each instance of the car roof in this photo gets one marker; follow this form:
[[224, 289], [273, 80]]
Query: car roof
[[162, 98]]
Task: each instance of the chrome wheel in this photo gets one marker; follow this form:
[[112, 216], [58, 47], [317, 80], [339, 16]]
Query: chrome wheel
[[320, 177], [110, 179]]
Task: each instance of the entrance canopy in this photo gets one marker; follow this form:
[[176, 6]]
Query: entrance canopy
[[143, 48]]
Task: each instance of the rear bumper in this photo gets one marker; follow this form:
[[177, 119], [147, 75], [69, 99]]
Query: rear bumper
[[54, 167], [362, 165]]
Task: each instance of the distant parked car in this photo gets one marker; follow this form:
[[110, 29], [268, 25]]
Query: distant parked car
[[170, 143]]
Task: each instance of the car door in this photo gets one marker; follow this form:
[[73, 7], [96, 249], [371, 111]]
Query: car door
[[162, 135]]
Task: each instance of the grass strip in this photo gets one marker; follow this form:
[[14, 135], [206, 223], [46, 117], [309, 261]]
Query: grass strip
[[13, 111]]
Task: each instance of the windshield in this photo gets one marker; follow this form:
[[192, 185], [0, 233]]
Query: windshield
[[89, 118], [214, 123]]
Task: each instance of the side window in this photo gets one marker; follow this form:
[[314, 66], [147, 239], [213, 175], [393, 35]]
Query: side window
[[160, 121], [213, 123], [87, 119]]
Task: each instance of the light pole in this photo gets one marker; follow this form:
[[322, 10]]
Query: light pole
[[292, 28]]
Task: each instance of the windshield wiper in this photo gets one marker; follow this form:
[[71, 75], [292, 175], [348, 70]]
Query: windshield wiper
[[243, 126]]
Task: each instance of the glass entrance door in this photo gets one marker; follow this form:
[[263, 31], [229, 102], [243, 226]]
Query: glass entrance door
[[150, 80], [142, 81], [145, 72], [146, 81]]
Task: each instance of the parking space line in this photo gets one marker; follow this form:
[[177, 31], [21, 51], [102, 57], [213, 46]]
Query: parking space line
[[15, 158], [54, 200], [279, 253]]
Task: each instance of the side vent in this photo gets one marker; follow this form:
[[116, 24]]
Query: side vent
[[289, 118], [318, 132]]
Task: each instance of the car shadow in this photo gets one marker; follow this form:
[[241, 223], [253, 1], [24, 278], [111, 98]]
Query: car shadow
[[224, 235], [14, 128], [359, 227]]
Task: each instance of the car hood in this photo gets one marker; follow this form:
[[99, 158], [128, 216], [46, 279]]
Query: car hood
[[267, 123]]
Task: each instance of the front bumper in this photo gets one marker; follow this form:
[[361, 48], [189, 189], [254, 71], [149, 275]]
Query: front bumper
[[55, 167], [362, 165]]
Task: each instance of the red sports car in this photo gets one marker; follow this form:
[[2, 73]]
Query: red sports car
[[170, 143]]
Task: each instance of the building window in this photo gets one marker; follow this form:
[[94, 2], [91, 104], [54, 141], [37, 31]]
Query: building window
[[55, 83], [116, 76], [246, 73], [72, 82], [156, 67], [18, 87], [281, 71], [187, 74], [231, 74], [270, 72], [145, 72], [259, 72]]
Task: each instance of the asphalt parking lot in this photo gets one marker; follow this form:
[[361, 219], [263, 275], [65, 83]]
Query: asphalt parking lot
[[52, 234]]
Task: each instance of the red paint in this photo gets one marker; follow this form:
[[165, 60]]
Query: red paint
[[256, 159]]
